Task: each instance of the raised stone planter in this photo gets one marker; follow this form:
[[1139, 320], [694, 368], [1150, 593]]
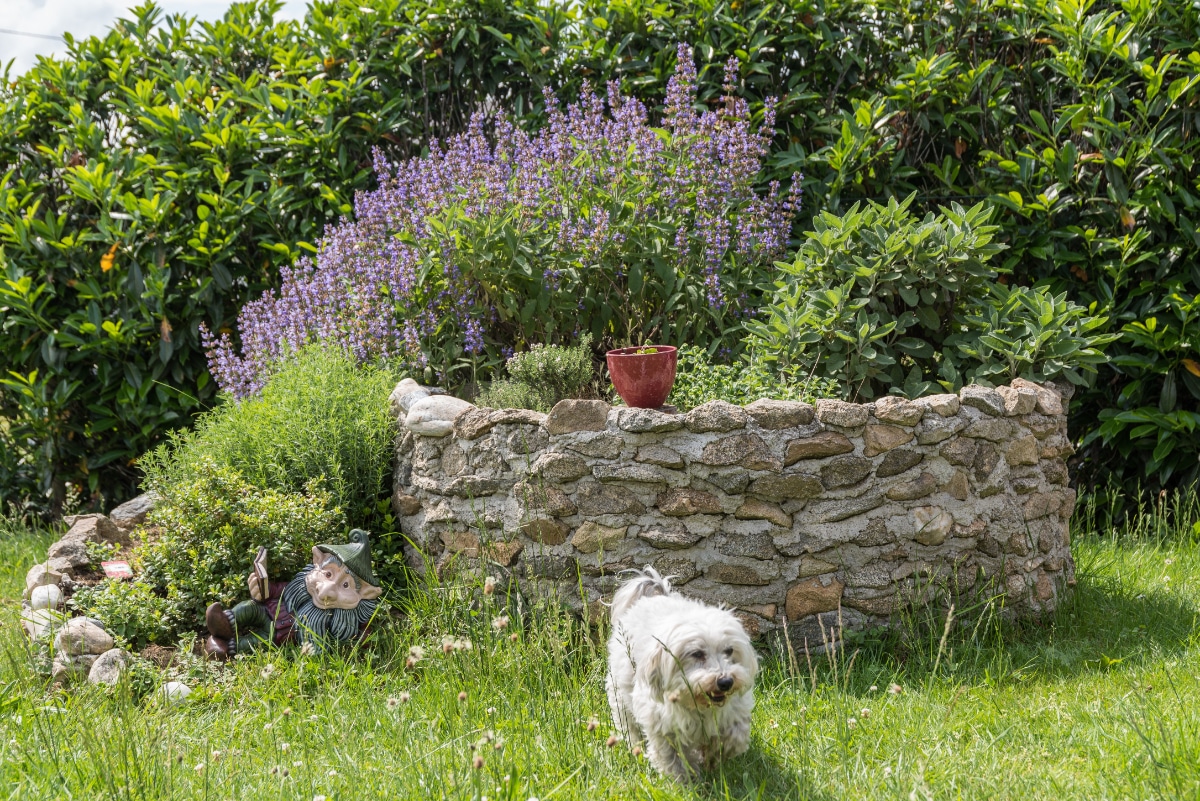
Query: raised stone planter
[[780, 510]]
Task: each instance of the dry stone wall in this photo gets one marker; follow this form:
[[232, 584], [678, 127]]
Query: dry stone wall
[[781, 510]]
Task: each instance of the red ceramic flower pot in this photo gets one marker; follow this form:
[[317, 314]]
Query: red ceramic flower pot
[[643, 380]]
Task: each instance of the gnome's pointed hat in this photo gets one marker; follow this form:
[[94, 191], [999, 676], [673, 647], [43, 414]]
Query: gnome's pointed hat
[[355, 555]]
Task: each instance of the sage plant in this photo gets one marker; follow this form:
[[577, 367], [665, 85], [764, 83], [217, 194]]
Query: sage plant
[[598, 223]]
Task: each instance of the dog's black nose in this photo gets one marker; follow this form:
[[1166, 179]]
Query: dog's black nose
[[724, 683]]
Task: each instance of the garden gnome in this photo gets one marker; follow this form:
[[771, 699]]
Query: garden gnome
[[330, 600]]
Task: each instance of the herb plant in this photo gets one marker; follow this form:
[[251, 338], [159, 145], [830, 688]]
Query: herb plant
[[542, 376], [699, 379], [208, 528], [600, 223]]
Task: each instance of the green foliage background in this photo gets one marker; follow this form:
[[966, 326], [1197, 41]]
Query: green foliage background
[[209, 153], [881, 301]]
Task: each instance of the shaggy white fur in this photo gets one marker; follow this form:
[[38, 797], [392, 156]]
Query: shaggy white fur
[[680, 676]]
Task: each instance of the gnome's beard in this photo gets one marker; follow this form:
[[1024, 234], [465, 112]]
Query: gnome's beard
[[317, 624]]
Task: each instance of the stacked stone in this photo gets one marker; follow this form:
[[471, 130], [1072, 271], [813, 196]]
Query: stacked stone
[[77, 647], [81, 646], [781, 510], [69, 556]]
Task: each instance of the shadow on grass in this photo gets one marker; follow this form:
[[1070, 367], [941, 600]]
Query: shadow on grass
[[1119, 615], [758, 774], [1106, 622]]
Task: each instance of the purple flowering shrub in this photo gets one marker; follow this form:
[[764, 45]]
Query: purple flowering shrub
[[599, 223]]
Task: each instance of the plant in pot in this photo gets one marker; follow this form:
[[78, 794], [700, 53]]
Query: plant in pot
[[643, 376]]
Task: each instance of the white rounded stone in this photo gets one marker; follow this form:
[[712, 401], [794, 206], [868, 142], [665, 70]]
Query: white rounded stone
[[175, 692], [434, 416], [40, 575], [39, 623], [47, 596]]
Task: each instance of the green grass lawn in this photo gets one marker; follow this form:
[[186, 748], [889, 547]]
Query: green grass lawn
[[1101, 702]]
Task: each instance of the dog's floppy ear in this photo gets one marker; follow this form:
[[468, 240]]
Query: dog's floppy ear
[[659, 670]]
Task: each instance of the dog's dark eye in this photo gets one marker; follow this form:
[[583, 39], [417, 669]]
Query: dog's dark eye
[[728, 652], [699, 656]]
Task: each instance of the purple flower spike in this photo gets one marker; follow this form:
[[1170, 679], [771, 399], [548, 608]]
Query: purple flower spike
[[501, 238]]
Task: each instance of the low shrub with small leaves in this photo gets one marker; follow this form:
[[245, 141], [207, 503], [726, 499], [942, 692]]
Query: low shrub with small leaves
[[130, 610], [698, 380], [210, 528], [319, 416]]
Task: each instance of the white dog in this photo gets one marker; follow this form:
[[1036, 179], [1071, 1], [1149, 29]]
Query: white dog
[[680, 675]]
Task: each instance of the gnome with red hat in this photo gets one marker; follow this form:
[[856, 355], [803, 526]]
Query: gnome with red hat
[[329, 601]]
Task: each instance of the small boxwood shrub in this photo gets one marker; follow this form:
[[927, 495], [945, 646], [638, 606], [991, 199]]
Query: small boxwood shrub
[[209, 528], [130, 610]]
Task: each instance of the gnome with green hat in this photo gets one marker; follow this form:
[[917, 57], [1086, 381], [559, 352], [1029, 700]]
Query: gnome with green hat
[[329, 601]]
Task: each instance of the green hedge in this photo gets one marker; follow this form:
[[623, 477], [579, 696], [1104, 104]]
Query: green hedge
[[161, 175], [1081, 119]]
